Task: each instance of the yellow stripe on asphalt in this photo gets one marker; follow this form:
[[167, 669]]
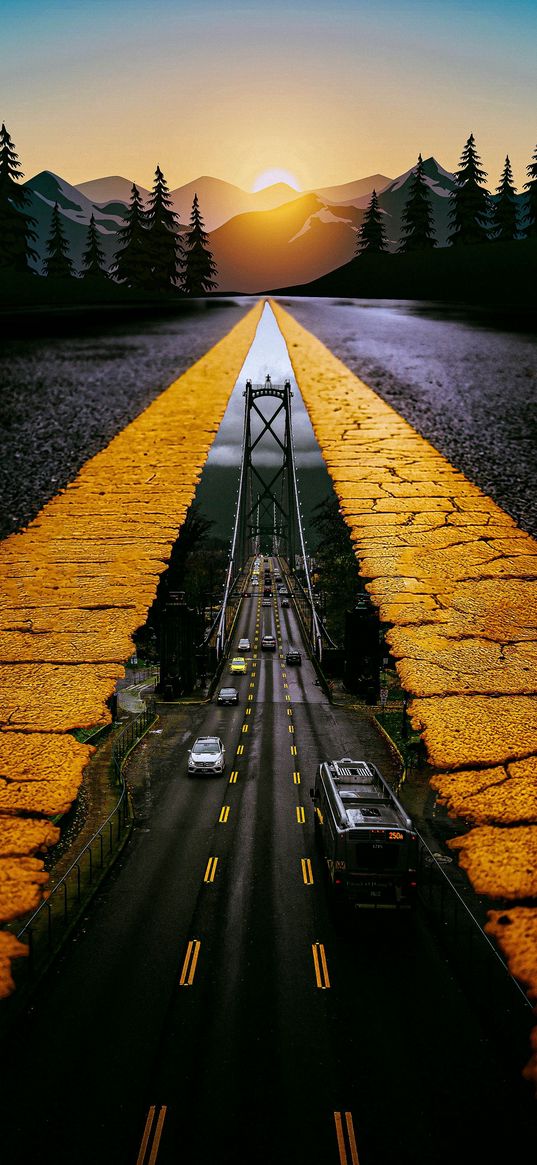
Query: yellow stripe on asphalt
[[234, 776], [296, 777], [240, 749], [293, 750], [289, 710], [307, 872], [291, 727], [211, 870], [321, 969], [190, 963], [252, 685], [247, 711], [300, 815], [224, 814], [346, 1139], [287, 697], [251, 697], [245, 728], [158, 1126]]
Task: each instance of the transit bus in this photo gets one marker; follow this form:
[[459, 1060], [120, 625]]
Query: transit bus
[[365, 835]]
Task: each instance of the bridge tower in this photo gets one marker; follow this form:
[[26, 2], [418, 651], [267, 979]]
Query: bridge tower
[[267, 492]]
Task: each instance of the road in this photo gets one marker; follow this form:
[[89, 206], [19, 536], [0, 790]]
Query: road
[[211, 1009]]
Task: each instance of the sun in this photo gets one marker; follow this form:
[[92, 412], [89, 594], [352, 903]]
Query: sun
[[270, 177]]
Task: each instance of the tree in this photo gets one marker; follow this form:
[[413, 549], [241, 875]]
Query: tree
[[469, 200], [57, 263], [417, 217], [93, 257], [371, 236], [131, 261], [16, 227], [530, 222], [199, 265], [504, 224], [165, 249]]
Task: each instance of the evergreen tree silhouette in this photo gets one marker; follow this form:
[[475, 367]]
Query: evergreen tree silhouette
[[16, 227], [131, 261], [165, 249], [371, 236], [417, 217], [93, 257], [504, 224], [469, 200], [57, 263], [530, 222], [199, 265]]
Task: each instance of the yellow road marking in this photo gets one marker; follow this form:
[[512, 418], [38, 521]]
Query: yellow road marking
[[234, 777], [289, 710], [287, 697], [251, 697], [224, 814], [296, 777], [293, 750], [291, 727], [140, 1160], [190, 963], [284, 675], [307, 872], [247, 711], [351, 1140], [286, 686], [321, 969], [240, 749], [252, 685], [211, 870], [300, 815], [245, 728]]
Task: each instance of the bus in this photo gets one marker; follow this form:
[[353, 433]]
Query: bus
[[365, 836]]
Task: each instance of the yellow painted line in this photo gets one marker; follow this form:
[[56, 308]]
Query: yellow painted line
[[252, 685], [190, 963], [291, 727], [300, 815], [346, 1138], [141, 1158], [321, 969], [293, 750], [224, 814], [296, 777], [234, 776], [286, 685], [287, 697], [251, 697], [211, 870], [284, 675], [289, 710], [307, 872], [247, 711], [245, 728], [240, 749]]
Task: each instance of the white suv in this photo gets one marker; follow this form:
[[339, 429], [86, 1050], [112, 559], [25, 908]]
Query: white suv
[[207, 755]]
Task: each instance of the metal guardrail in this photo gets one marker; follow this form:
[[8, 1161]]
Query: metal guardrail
[[62, 906]]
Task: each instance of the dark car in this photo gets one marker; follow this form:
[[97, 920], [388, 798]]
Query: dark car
[[293, 656], [268, 643], [228, 696], [285, 602]]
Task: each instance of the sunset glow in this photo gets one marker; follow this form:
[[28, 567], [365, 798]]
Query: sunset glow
[[270, 177]]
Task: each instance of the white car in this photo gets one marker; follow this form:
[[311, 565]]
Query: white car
[[244, 645], [207, 755]]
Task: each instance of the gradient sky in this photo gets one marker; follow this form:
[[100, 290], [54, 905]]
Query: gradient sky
[[327, 91]]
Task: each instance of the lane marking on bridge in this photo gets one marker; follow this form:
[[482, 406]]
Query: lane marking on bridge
[[234, 776], [252, 685], [190, 963], [211, 870], [296, 777], [248, 711], [293, 750], [321, 970], [346, 1139], [287, 697], [224, 814], [240, 749], [307, 872], [250, 697], [244, 728], [155, 1128], [291, 727], [289, 710], [300, 815]]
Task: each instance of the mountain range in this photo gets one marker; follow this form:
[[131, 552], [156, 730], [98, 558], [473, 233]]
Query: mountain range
[[276, 237]]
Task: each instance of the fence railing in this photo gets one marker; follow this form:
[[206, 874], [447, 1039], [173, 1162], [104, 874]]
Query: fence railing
[[49, 924]]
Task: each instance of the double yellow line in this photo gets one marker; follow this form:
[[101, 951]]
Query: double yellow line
[[151, 1135], [346, 1140], [190, 963], [322, 977]]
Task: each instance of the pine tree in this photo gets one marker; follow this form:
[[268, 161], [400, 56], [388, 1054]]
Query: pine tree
[[417, 217], [530, 222], [199, 265], [165, 249], [16, 227], [57, 263], [371, 236], [93, 257], [470, 201], [504, 224], [131, 262]]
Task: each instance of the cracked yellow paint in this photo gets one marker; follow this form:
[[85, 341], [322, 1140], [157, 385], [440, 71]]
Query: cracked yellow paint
[[515, 931], [77, 584], [457, 580]]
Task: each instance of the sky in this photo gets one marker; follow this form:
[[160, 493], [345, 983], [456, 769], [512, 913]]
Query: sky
[[321, 91]]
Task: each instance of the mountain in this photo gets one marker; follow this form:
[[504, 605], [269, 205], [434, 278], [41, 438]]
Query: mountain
[[45, 189], [393, 198], [112, 189], [360, 190]]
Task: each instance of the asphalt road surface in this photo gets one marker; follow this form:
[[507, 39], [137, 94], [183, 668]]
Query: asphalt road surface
[[212, 1010]]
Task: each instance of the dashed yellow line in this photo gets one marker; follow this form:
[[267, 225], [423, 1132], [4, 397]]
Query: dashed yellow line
[[247, 711], [234, 777], [190, 963], [289, 710], [321, 970], [291, 727], [296, 777], [211, 870], [244, 728], [293, 750], [154, 1128], [346, 1139], [300, 815], [307, 872], [287, 697], [251, 697], [240, 749], [224, 814]]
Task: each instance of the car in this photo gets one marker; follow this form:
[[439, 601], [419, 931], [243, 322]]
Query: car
[[268, 643], [293, 656], [285, 602], [207, 755], [228, 696], [282, 590], [238, 665], [244, 644], [266, 603]]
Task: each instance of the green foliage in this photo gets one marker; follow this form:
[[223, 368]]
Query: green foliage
[[371, 236], [16, 227], [165, 248], [469, 200], [93, 257], [199, 265], [57, 263], [530, 222], [131, 262], [417, 217]]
